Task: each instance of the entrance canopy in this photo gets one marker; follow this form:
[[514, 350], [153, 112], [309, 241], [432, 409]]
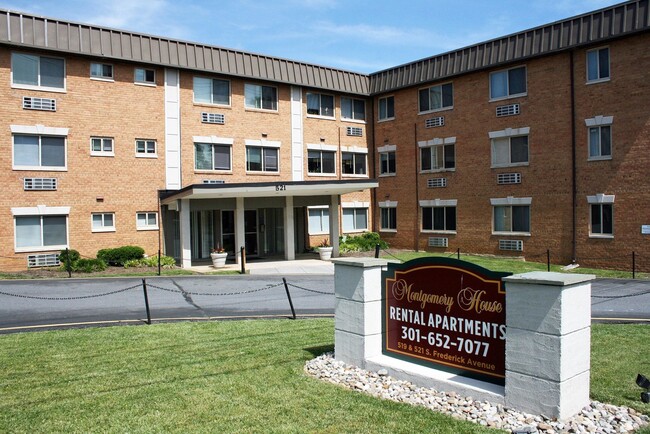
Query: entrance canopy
[[240, 203], [267, 189]]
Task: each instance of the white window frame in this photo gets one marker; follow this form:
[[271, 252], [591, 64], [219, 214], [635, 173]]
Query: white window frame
[[384, 206], [39, 131], [599, 122], [320, 115], [102, 77], [42, 211], [512, 202], [146, 153], [599, 200], [321, 210], [322, 148], [509, 133], [263, 144], [440, 204], [39, 86], [353, 118], [599, 79], [248, 86], [357, 152], [379, 104], [439, 145], [146, 227], [212, 79], [508, 95], [355, 207], [144, 82], [442, 106], [103, 227], [102, 152], [386, 151]]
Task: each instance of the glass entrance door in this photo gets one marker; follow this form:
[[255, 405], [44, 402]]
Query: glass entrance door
[[271, 231], [250, 231], [202, 230]]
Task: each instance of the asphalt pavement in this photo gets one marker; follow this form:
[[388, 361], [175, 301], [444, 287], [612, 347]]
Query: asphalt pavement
[[42, 304]]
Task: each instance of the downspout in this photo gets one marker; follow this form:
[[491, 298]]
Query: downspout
[[416, 229], [574, 174], [375, 226]]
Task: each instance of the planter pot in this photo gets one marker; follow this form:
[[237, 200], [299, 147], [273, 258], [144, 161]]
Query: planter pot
[[218, 259], [325, 253]]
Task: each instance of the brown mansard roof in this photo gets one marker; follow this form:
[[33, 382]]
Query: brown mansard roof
[[29, 31]]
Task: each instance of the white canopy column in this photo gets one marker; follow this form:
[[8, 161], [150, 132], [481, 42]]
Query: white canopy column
[[334, 224], [289, 235], [240, 228], [186, 241]]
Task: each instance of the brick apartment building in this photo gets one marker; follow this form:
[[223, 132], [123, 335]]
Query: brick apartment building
[[532, 142]]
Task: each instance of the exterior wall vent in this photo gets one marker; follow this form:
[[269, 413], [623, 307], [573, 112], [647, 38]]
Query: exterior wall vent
[[436, 182], [508, 110], [514, 245], [509, 178], [39, 183], [354, 131], [434, 122], [213, 118], [213, 181], [438, 242], [33, 103], [43, 260]]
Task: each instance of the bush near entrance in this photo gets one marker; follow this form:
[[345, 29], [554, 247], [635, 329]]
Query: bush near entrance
[[120, 255], [361, 243]]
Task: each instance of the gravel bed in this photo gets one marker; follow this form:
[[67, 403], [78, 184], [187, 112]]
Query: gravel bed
[[594, 418]]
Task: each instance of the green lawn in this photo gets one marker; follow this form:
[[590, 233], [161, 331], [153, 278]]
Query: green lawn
[[244, 376]]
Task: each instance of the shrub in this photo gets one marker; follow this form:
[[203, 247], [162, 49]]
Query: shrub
[[361, 243], [69, 255], [151, 261], [89, 265], [120, 255]]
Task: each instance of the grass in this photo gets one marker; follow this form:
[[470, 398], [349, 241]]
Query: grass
[[516, 266], [230, 376]]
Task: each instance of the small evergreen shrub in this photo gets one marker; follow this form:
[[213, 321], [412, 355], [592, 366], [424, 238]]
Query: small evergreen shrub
[[120, 255], [89, 265], [151, 261], [69, 255], [361, 243]]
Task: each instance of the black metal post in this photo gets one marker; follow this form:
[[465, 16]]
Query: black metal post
[[377, 250], [146, 300], [286, 288], [458, 253], [633, 265], [243, 260], [159, 262], [548, 259], [68, 263]]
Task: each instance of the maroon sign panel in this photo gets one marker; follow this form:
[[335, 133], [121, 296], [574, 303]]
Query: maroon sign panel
[[446, 313]]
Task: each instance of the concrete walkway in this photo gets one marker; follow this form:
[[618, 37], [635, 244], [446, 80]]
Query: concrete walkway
[[275, 267]]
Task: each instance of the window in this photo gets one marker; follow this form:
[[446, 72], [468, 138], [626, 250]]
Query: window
[[438, 154], [509, 147], [319, 221], [512, 218], [261, 97], [601, 207], [101, 146], [439, 218], [352, 108], [600, 137], [29, 71], [145, 76], [39, 152], [101, 70], [103, 222], [508, 83], [145, 148], [211, 91], [386, 108], [146, 221], [320, 104], [598, 65], [321, 162], [353, 163], [355, 219], [388, 216], [436, 98], [387, 163], [259, 159], [35, 232], [209, 156]]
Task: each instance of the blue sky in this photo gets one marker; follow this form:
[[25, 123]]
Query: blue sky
[[363, 36]]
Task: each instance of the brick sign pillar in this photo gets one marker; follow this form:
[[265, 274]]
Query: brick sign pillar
[[548, 318]]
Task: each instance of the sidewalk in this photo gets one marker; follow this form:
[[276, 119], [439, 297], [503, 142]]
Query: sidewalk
[[279, 267]]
